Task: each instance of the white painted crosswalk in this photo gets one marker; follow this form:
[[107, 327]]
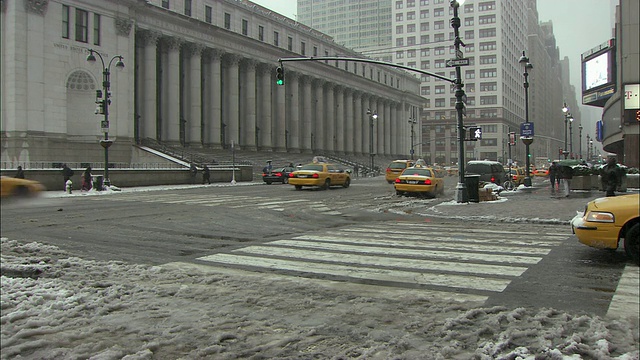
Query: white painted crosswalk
[[471, 263], [230, 201]]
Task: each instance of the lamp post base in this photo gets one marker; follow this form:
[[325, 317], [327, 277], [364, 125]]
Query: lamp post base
[[461, 193], [527, 181]]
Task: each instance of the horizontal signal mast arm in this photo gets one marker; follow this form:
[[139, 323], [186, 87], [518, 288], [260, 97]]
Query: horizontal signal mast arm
[[321, 58]]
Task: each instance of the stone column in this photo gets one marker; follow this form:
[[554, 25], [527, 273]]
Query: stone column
[[330, 118], [358, 126], [387, 128], [172, 117], [265, 125], [349, 137], [366, 128], [293, 117], [232, 105], [248, 127], [306, 128], [375, 107], [317, 141], [149, 116], [194, 119], [395, 130], [213, 101], [340, 126]]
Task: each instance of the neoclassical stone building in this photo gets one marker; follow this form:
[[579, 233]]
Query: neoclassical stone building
[[198, 73]]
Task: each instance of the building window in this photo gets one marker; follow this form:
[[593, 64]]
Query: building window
[[424, 39], [261, 33], [411, 53], [425, 90], [399, 54], [489, 59], [245, 27], [82, 25], [424, 26], [276, 38], [487, 46], [65, 21], [290, 43], [187, 7], [438, 64], [486, 6], [425, 64], [424, 2], [439, 89], [438, 38], [411, 15], [425, 52], [438, 25], [303, 48], [411, 40], [484, 33], [424, 14], [399, 42], [315, 51], [488, 73], [96, 29], [488, 100], [468, 35], [438, 12], [227, 21], [398, 4], [440, 103], [399, 17], [487, 19], [165, 4], [468, 8], [439, 50], [208, 14], [488, 86], [470, 74], [468, 21], [399, 29]]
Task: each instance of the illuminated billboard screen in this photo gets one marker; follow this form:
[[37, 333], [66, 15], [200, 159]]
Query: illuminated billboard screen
[[599, 74], [596, 71]]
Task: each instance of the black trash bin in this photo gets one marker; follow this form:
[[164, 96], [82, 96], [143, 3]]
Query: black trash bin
[[97, 182], [472, 182]]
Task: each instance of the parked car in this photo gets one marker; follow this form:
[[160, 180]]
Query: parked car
[[321, 175], [608, 221], [395, 168], [489, 171], [420, 180], [280, 175], [15, 187]]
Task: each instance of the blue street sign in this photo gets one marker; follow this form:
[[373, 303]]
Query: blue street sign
[[526, 129]]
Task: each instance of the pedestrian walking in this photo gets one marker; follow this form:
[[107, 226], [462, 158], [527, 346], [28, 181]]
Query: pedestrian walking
[[206, 175], [67, 173], [565, 173], [193, 171], [611, 176], [19, 173], [86, 179], [356, 169], [553, 173]]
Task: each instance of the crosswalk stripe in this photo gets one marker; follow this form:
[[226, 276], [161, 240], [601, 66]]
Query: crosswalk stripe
[[461, 256], [378, 274], [430, 229], [430, 236], [448, 244], [625, 302], [370, 260]]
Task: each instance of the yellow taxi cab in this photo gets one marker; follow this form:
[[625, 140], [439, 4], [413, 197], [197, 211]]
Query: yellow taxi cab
[[608, 220], [395, 168], [322, 175], [420, 180], [517, 174], [10, 186]]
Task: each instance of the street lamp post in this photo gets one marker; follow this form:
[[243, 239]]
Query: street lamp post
[[588, 147], [524, 60], [373, 115], [103, 106], [567, 115], [571, 136], [412, 121], [461, 190], [580, 143]]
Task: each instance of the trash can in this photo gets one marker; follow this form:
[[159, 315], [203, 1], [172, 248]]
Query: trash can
[[97, 182], [472, 182]]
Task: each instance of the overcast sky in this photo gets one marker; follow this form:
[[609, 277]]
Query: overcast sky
[[578, 25]]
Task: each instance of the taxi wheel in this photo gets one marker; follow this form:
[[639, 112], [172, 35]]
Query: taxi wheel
[[268, 182], [326, 185], [399, 193], [298, 187], [21, 191], [632, 243], [347, 182], [285, 180], [390, 182]]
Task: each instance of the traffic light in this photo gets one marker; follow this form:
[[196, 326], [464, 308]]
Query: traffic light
[[280, 75]]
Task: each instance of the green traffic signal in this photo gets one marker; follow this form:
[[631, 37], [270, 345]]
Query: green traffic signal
[[280, 75]]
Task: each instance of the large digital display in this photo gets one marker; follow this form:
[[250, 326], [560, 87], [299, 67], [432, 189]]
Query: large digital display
[[599, 74], [596, 71]]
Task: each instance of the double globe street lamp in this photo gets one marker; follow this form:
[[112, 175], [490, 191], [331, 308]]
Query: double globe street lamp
[[373, 115], [103, 103], [527, 140], [567, 118], [412, 122]]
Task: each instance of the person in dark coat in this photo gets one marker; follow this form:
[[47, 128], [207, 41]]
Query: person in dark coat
[[193, 171], [86, 179], [67, 173], [553, 174], [206, 175], [611, 176], [20, 173]]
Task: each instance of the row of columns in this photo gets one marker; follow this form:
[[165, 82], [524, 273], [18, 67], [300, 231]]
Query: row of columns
[[198, 96]]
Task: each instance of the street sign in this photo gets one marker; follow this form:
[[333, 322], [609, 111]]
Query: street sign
[[457, 62], [512, 138], [526, 130], [459, 54], [104, 125]]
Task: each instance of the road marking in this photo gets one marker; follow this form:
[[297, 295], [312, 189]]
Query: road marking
[[625, 302]]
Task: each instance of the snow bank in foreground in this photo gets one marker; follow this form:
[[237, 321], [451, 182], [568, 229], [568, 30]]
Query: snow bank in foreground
[[56, 306]]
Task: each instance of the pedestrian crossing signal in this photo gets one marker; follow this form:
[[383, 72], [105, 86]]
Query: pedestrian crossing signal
[[475, 133], [280, 75]]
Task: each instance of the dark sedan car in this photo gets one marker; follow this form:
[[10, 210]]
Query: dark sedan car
[[280, 175]]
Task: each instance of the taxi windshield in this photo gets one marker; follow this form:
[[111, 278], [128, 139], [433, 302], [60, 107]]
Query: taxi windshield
[[417, 172]]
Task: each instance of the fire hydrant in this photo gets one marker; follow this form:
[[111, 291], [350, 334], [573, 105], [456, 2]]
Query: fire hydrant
[[69, 186]]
